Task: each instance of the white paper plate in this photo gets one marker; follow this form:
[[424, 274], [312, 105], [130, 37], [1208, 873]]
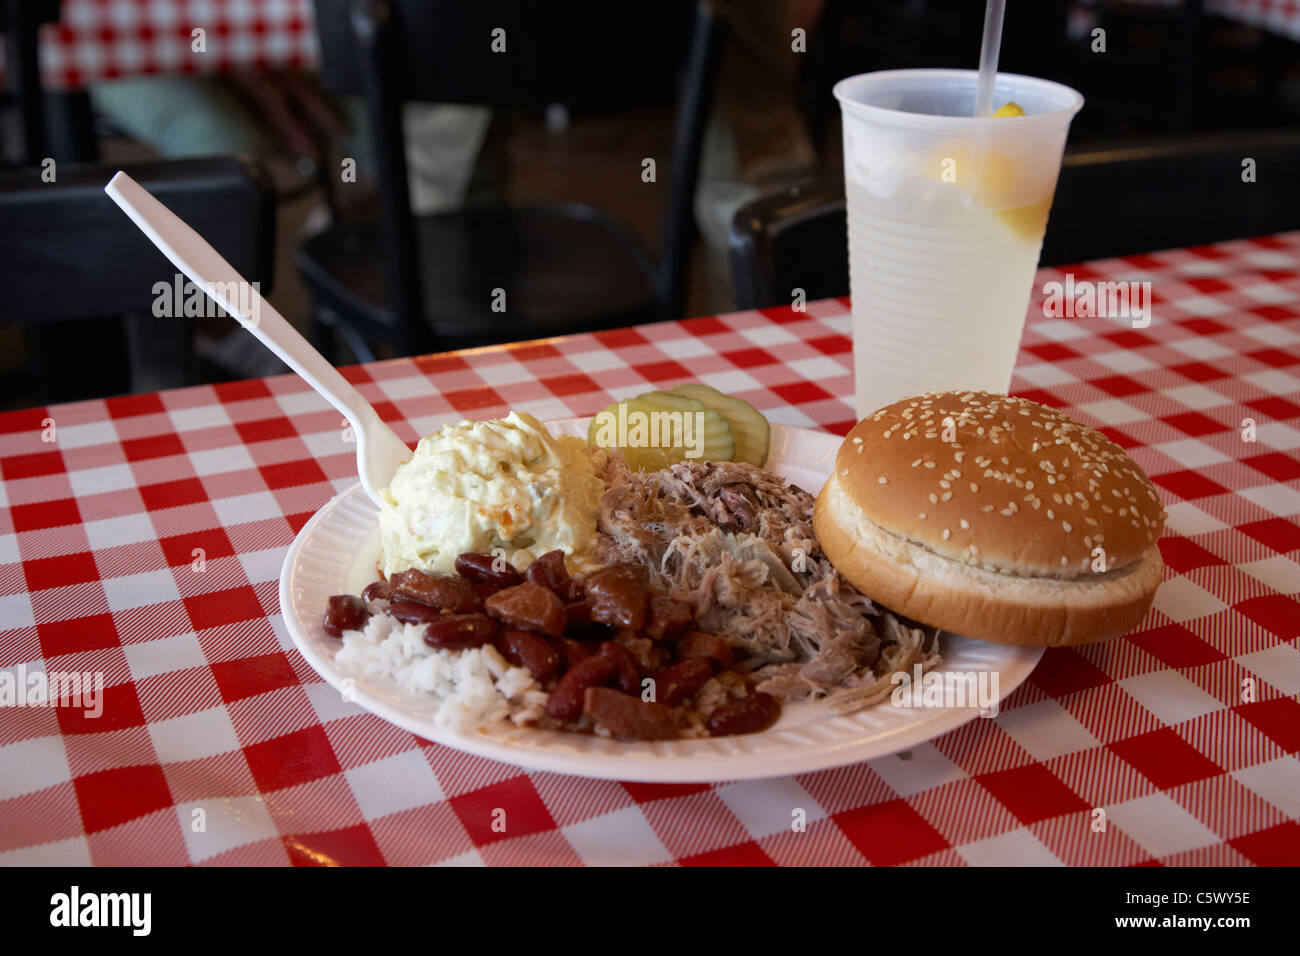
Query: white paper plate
[[335, 553]]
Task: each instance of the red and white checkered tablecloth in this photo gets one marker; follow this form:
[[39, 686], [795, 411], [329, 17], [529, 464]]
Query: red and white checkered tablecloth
[[209, 708], [101, 39], [1276, 16]]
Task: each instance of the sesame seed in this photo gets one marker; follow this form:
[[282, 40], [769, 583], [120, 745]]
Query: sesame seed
[[916, 463], [987, 508], [921, 516], [883, 480], [965, 523], [1066, 526], [929, 464], [934, 499], [946, 534]]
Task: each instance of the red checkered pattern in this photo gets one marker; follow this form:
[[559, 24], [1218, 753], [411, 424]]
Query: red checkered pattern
[[101, 39], [145, 541], [1276, 16]]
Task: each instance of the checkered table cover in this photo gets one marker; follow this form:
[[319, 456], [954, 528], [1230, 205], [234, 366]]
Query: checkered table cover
[[209, 707], [1276, 16], [101, 39]]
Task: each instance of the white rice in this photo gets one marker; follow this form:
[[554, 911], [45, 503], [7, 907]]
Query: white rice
[[473, 687]]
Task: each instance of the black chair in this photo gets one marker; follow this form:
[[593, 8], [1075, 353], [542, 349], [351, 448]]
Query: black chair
[[418, 284], [72, 265], [1109, 202]]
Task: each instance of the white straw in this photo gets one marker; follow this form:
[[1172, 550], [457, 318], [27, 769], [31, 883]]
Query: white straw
[[989, 50]]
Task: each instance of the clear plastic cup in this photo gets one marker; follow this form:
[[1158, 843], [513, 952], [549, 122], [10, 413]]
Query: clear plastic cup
[[946, 217]]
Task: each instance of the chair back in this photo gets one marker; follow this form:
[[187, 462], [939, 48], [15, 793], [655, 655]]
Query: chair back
[[1187, 191], [72, 264], [1109, 202], [512, 55]]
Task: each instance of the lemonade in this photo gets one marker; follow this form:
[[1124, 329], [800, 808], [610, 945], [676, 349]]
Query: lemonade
[[946, 218]]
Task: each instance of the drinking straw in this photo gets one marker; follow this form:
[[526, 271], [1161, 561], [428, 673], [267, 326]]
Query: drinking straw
[[989, 50]]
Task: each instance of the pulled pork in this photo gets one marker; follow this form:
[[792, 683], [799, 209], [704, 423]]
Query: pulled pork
[[736, 543]]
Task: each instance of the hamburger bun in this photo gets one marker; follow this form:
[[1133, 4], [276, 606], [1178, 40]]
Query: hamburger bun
[[995, 518]]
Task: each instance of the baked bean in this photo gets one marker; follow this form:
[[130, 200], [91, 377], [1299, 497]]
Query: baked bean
[[619, 596], [700, 644], [627, 716], [526, 649], [437, 590], [674, 684], [565, 702], [529, 607], [376, 591], [744, 715], [668, 618], [629, 675], [458, 631], [345, 612], [485, 569]]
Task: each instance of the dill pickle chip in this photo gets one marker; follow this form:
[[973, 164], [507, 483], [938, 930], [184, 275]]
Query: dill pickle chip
[[708, 429], [749, 429], [651, 432]]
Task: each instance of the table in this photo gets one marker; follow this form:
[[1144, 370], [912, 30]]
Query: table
[[145, 541], [98, 40], [1281, 17]]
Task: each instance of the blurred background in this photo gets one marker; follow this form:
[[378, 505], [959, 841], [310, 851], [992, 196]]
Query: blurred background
[[411, 176]]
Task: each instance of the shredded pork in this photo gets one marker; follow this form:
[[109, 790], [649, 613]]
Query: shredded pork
[[736, 543]]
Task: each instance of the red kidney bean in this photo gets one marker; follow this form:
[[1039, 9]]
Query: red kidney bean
[[629, 717], [700, 644], [577, 616], [574, 652], [526, 649], [376, 591], [618, 596], [530, 607], [745, 715], [674, 684], [413, 612], [345, 612], [483, 590], [650, 657], [485, 569], [548, 570], [629, 675], [437, 590], [458, 631], [565, 702], [668, 618]]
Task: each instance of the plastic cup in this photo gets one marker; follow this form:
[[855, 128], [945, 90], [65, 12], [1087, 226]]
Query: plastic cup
[[946, 216]]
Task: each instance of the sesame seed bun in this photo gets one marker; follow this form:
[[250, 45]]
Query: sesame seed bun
[[993, 517]]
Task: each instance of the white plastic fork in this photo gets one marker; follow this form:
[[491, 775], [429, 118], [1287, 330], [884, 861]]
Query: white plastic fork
[[379, 450]]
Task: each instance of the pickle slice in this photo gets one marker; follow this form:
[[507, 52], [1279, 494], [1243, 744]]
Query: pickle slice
[[653, 431], [749, 429]]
